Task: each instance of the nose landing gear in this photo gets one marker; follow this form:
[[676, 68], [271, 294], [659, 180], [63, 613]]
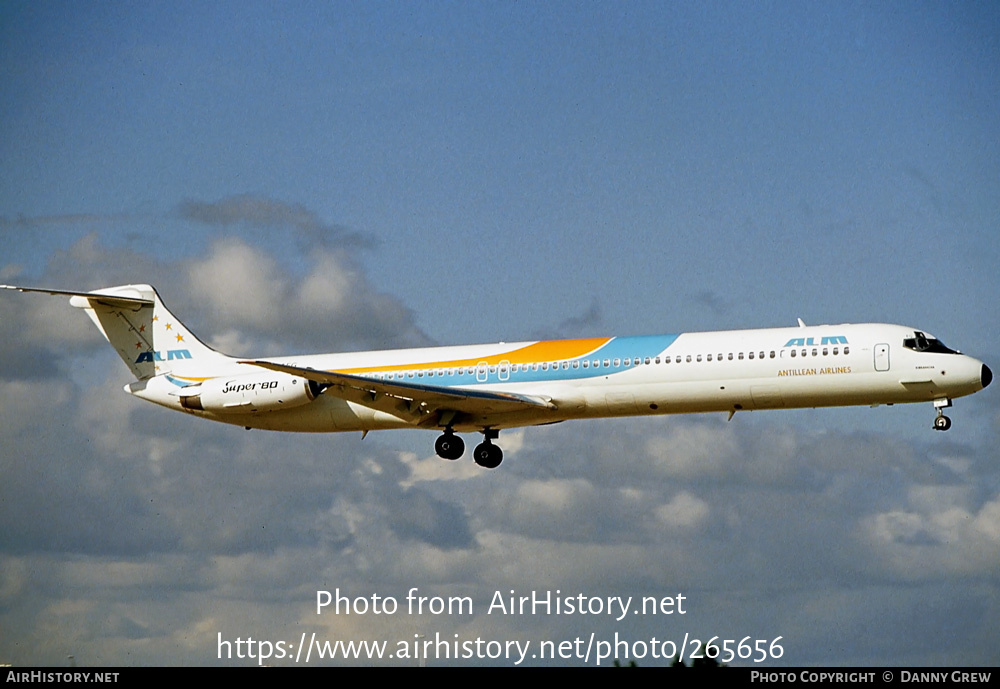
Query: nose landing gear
[[942, 422]]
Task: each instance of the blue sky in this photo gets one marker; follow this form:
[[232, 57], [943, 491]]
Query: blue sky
[[474, 172]]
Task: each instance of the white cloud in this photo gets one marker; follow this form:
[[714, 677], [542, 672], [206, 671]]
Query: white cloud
[[684, 511], [239, 284], [938, 534], [693, 450]]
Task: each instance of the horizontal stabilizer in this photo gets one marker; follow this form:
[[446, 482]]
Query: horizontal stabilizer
[[112, 300]]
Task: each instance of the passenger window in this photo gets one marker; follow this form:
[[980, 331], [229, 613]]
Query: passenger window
[[740, 356], [847, 350], [709, 358], [835, 351], [688, 359], [825, 351], [751, 355], [793, 352], [772, 353]]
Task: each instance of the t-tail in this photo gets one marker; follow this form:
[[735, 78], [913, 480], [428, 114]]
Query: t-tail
[[149, 339]]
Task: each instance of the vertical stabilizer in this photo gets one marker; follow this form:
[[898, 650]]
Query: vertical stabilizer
[[148, 338]]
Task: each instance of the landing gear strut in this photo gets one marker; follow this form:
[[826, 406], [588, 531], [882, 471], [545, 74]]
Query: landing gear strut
[[942, 422], [449, 446], [488, 455]]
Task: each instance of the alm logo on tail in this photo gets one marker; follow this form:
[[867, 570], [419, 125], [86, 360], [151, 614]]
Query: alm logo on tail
[[172, 355]]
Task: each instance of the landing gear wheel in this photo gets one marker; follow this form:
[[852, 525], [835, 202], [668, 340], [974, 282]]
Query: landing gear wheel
[[942, 423], [449, 446], [488, 455]]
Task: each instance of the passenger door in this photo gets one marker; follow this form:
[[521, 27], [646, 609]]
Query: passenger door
[[881, 357]]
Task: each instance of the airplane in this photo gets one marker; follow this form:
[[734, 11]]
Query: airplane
[[492, 387]]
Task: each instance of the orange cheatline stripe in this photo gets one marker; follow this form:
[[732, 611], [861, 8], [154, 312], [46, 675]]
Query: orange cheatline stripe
[[548, 350]]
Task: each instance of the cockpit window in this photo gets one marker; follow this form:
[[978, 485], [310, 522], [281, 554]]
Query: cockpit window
[[922, 343]]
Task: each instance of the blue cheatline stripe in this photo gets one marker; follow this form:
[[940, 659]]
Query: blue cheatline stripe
[[620, 348], [178, 381]]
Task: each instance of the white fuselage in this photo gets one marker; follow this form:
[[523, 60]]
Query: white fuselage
[[728, 371], [491, 387]]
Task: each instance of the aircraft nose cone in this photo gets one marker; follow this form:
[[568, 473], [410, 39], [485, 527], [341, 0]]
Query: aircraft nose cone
[[987, 375]]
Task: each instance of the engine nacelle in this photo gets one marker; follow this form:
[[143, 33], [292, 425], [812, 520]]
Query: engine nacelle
[[253, 392]]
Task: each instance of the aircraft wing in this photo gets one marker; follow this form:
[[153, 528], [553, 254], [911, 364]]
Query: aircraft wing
[[417, 403]]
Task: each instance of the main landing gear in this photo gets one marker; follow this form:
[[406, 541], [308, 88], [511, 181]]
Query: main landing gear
[[449, 445], [942, 422], [487, 455]]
